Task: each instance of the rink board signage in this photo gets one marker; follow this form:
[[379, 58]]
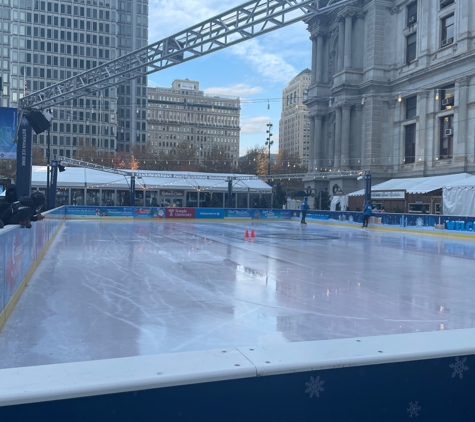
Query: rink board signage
[[436, 389], [2, 270], [461, 225], [210, 213], [149, 212], [171, 212]]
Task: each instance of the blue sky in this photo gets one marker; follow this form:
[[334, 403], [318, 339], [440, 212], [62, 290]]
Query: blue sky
[[256, 70]]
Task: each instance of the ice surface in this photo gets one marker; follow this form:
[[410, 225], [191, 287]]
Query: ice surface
[[116, 289]]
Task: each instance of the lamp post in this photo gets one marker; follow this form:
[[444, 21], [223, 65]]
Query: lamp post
[[269, 143]]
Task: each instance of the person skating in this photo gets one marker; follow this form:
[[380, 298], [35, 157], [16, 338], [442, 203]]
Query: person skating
[[304, 208], [367, 213]]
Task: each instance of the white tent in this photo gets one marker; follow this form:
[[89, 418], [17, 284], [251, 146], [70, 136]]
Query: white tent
[[77, 177], [459, 197], [417, 184]]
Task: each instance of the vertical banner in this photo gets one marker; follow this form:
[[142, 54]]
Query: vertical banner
[[132, 191], [367, 187], [24, 152], [52, 185], [8, 125]]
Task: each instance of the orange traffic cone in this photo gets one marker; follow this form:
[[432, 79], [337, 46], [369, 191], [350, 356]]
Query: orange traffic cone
[[252, 233], [247, 234]]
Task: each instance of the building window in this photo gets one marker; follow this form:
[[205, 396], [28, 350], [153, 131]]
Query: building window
[[411, 107], [411, 47], [447, 33], [412, 13], [447, 97], [446, 137], [409, 144], [445, 3]]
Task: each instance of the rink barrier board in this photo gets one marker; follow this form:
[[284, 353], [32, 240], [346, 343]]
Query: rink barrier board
[[438, 223], [429, 376], [21, 251]]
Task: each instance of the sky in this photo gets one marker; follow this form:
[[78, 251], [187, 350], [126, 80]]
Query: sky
[[256, 70]]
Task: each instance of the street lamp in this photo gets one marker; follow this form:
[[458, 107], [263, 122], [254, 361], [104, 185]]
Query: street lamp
[[269, 143]]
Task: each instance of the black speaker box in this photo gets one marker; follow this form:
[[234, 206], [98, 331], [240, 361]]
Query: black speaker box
[[38, 121]]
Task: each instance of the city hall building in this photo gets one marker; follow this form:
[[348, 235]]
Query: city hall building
[[392, 91]]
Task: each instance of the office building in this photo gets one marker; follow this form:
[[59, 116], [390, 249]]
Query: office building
[[184, 113], [45, 42], [294, 124]]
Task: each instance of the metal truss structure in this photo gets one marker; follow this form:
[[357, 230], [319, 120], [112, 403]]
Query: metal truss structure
[[249, 20], [179, 175]]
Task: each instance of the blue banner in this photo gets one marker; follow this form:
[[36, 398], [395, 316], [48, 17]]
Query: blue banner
[[8, 125], [209, 213], [23, 157]]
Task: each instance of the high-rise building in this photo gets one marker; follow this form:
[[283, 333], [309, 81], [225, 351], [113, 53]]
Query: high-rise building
[[294, 124], [45, 42], [184, 113], [392, 88]]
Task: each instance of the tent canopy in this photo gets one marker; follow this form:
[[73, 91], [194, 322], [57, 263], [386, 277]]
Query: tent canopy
[[417, 184], [81, 177]]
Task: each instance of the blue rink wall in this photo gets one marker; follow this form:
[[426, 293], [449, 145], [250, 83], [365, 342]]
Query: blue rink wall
[[423, 376], [439, 222]]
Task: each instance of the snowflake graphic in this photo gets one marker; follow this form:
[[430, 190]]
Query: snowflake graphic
[[420, 222], [413, 409], [459, 367], [351, 219], [314, 387]]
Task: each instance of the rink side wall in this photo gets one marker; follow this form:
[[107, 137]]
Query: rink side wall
[[21, 251], [428, 376], [439, 223]]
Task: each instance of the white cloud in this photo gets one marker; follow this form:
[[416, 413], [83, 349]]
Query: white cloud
[[237, 90], [254, 125], [273, 67]]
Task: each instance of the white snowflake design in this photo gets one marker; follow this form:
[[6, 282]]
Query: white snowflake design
[[413, 409], [419, 222], [459, 367], [351, 219], [314, 387]]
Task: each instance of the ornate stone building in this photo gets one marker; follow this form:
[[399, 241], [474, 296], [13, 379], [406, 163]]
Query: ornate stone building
[[392, 89]]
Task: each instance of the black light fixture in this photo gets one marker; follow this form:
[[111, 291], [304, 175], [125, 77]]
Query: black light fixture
[[39, 121], [61, 168]]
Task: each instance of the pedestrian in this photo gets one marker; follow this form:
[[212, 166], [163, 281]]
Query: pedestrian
[[368, 208], [303, 209]]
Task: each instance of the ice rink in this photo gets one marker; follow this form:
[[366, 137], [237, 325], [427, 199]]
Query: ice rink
[[117, 289]]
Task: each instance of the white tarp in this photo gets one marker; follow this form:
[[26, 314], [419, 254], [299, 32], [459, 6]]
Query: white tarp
[[339, 199], [417, 184], [458, 198], [75, 177]]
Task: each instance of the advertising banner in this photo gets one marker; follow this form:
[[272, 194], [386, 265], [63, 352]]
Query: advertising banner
[[99, 212], [8, 125], [13, 266], [149, 212], [180, 212], [209, 213], [24, 151], [238, 213], [2, 271]]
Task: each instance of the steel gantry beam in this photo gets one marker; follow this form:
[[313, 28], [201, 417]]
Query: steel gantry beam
[[249, 20], [268, 177]]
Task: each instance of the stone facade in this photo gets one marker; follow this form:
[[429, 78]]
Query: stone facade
[[392, 88]]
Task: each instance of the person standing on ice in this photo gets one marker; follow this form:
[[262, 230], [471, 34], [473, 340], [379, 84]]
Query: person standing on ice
[[304, 208], [367, 213]]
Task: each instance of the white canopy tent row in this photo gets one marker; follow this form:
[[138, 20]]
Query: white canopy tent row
[[458, 191], [86, 186]]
